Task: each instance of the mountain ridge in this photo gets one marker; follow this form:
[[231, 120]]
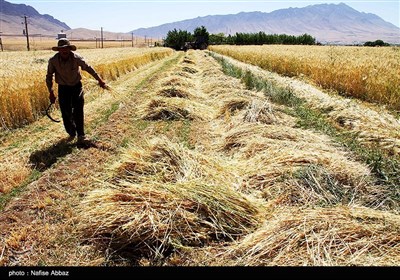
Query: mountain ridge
[[11, 16], [326, 22]]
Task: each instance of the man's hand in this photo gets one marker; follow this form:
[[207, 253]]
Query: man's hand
[[52, 97], [102, 84]]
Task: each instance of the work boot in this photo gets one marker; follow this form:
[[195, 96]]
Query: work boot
[[81, 139], [70, 138]]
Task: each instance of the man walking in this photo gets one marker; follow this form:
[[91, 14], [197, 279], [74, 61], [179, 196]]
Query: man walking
[[64, 65]]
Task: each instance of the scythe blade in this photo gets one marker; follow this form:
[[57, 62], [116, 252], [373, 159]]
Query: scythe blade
[[48, 114]]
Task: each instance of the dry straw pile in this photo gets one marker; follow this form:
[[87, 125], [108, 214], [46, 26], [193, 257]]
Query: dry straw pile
[[338, 236], [373, 125], [255, 190], [159, 200]]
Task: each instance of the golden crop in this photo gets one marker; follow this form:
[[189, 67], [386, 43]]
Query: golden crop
[[23, 88], [45, 43], [370, 74]]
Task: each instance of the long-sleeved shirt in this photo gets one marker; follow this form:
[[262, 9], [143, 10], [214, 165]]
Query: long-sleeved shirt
[[67, 72]]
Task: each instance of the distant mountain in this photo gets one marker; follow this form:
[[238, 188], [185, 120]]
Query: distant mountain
[[328, 23], [11, 18]]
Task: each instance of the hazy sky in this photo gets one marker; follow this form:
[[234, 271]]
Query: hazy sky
[[127, 15]]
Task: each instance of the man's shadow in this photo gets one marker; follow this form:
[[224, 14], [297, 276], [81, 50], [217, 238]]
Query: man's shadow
[[45, 158], [86, 144]]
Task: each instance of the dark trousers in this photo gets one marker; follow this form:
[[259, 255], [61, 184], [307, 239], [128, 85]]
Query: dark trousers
[[71, 103]]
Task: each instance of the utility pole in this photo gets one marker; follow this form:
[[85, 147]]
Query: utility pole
[[101, 37], [132, 39], [26, 33], [1, 42]]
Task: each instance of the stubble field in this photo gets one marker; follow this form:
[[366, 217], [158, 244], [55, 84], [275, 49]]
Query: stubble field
[[197, 159]]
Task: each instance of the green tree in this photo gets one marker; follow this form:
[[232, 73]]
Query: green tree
[[176, 39], [202, 38], [201, 33], [217, 39], [375, 43]]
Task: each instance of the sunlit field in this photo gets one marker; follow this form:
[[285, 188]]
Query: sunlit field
[[370, 74], [24, 95], [186, 164], [45, 43]]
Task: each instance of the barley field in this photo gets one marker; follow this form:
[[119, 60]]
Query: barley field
[[370, 74], [198, 159]]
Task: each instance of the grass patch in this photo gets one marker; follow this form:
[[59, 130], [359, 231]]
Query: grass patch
[[283, 96], [105, 114], [184, 134]]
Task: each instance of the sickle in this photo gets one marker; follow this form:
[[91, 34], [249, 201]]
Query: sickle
[[48, 114]]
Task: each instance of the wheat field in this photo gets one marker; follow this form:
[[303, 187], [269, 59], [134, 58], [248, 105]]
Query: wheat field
[[370, 74], [45, 43], [186, 165], [24, 94]]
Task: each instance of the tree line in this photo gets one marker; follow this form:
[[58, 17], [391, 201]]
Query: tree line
[[178, 39], [261, 38], [182, 39], [377, 43]]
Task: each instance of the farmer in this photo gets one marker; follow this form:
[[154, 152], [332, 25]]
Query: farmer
[[65, 65]]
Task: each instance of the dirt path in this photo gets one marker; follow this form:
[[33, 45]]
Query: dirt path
[[234, 138]]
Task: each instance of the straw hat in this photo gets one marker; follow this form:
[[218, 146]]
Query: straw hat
[[64, 43]]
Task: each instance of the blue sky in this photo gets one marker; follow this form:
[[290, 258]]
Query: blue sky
[[127, 15]]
